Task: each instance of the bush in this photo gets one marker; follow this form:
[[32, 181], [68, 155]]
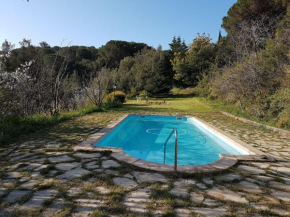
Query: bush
[[116, 96], [284, 119], [143, 94], [187, 91]]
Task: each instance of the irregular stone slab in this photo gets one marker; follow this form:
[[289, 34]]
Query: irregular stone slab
[[2, 191], [287, 181], [60, 159], [136, 201], [285, 196], [29, 185], [73, 174], [31, 166], [211, 211], [182, 212], [24, 179], [157, 212], [184, 183], [210, 202], [207, 181], [103, 190], [38, 199], [287, 164], [40, 160], [87, 155], [180, 192], [92, 179], [36, 175], [249, 187], [280, 185], [85, 207], [52, 173], [252, 170], [14, 175], [109, 172], [15, 196], [20, 157], [283, 170], [201, 186], [270, 199], [74, 191], [261, 165], [53, 144], [128, 175], [110, 163], [13, 167], [41, 167], [280, 211], [92, 162], [56, 207], [259, 206], [223, 193], [195, 197], [263, 178], [57, 153], [125, 183], [148, 177], [99, 170], [66, 166], [7, 182], [228, 177], [92, 165]]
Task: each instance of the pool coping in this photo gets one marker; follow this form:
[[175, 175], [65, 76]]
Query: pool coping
[[226, 160]]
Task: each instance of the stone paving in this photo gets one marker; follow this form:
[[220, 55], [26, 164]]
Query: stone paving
[[44, 177]]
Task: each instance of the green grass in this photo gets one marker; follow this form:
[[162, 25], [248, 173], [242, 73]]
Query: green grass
[[234, 110], [174, 105], [13, 127]]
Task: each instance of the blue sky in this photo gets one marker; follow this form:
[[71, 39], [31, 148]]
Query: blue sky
[[95, 22]]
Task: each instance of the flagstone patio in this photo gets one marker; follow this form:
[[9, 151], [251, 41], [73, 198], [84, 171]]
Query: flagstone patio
[[45, 177]]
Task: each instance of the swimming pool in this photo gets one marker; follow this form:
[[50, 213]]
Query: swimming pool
[[144, 137]]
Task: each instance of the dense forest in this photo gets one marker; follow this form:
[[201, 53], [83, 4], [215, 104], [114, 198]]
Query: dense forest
[[249, 68]]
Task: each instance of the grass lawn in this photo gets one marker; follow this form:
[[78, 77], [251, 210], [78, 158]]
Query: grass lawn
[[177, 106]]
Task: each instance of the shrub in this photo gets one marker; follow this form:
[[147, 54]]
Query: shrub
[[116, 96], [187, 91], [143, 94], [284, 119]]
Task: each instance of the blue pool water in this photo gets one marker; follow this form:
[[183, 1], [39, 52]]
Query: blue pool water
[[144, 137]]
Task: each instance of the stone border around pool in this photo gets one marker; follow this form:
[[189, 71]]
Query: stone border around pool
[[226, 160]]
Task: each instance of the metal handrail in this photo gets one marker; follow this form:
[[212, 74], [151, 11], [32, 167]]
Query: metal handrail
[[165, 144], [176, 148]]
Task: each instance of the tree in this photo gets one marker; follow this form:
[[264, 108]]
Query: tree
[[44, 44], [5, 54], [250, 9], [148, 70], [97, 86], [199, 58], [114, 51], [178, 46], [25, 43], [7, 46]]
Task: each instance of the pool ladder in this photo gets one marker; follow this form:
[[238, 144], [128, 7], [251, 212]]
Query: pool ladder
[[176, 148]]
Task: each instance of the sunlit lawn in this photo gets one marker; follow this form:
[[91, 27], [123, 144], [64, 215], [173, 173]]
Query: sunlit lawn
[[184, 106]]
